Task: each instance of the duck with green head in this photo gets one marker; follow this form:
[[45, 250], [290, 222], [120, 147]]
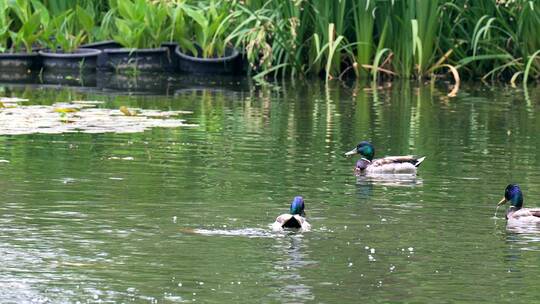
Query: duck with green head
[[516, 214], [386, 165], [294, 219]]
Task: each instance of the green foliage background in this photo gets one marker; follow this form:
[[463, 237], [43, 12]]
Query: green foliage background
[[491, 39]]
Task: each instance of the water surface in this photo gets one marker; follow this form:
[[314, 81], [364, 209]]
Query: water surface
[[182, 214]]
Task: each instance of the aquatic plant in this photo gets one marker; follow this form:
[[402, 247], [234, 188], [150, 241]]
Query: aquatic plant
[[96, 25], [27, 28], [140, 23], [56, 7], [269, 32], [5, 22], [327, 18], [62, 32], [364, 21], [398, 38], [209, 25], [180, 25]]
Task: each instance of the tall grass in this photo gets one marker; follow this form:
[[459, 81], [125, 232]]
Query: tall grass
[[271, 37], [364, 21], [400, 38]]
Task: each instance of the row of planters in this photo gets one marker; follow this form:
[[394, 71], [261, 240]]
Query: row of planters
[[146, 37], [111, 56]]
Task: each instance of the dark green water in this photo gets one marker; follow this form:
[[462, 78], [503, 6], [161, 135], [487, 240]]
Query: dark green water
[[76, 225]]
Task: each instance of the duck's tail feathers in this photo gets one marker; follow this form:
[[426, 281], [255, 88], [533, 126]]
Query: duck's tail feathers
[[419, 161], [292, 223]]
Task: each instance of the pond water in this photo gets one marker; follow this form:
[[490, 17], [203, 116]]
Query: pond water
[[182, 214]]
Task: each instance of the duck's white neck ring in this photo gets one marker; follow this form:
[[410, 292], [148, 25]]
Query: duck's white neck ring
[[511, 210], [365, 159]]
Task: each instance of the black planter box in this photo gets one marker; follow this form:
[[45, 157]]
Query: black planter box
[[172, 65], [230, 64], [19, 76], [137, 60], [19, 61], [102, 45], [81, 59]]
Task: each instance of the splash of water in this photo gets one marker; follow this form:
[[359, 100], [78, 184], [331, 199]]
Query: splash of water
[[496, 209], [246, 232]]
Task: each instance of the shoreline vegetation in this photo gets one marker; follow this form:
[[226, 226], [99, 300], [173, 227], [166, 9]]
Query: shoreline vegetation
[[491, 40]]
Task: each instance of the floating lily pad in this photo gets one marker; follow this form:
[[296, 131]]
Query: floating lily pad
[[78, 117]]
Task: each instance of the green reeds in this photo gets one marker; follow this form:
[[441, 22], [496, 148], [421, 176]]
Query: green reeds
[[364, 20], [425, 27], [328, 20]]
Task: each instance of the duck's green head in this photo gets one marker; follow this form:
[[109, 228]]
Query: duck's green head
[[297, 206], [512, 194], [365, 149]]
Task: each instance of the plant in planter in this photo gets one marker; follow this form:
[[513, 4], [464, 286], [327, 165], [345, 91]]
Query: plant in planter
[[209, 52], [64, 35], [210, 24], [178, 31], [21, 26], [31, 15], [140, 26], [99, 34], [4, 26], [180, 26], [96, 31]]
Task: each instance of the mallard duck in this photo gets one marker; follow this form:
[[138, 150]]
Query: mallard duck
[[515, 214], [295, 219], [386, 165]]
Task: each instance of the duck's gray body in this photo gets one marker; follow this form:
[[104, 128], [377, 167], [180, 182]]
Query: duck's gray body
[[522, 216], [389, 165]]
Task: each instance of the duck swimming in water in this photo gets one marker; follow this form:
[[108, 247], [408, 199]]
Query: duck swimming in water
[[386, 165], [294, 219], [516, 215]]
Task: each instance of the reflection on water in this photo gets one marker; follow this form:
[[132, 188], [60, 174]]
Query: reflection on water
[[287, 269], [69, 78], [87, 217], [367, 183], [137, 82], [134, 82], [392, 180]]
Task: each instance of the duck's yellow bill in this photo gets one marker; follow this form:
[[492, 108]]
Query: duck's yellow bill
[[502, 202], [350, 153]]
